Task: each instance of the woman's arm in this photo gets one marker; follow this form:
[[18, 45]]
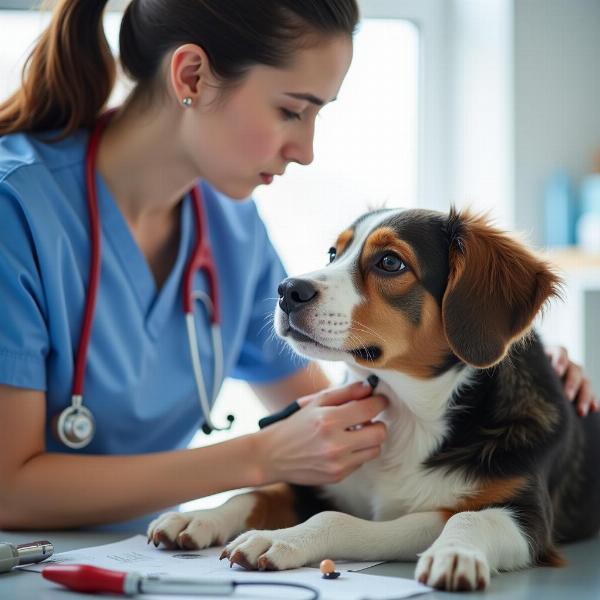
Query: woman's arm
[[42, 490], [39, 489]]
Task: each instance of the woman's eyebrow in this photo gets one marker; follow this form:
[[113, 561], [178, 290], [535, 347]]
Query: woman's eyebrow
[[308, 97]]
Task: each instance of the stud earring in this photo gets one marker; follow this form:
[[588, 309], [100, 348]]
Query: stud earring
[[187, 101]]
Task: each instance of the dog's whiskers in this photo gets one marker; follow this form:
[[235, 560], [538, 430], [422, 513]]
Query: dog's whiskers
[[369, 330]]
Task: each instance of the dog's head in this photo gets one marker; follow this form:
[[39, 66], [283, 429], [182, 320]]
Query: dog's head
[[416, 291]]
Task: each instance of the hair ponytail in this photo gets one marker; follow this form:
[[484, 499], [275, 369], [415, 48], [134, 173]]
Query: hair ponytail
[[69, 75]]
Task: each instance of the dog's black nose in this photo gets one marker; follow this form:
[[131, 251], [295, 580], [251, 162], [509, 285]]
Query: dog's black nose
[[295, 294]]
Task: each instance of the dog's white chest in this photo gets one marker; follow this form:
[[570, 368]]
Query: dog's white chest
[[396, 483]]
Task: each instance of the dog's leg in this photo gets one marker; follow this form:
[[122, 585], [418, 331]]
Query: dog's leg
[[265, 508], [336, 535], [471, 546]]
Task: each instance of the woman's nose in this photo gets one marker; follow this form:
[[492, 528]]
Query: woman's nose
[[300, 149]]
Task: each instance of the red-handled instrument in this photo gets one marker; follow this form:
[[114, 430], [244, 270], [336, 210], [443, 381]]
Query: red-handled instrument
[[86, 578]]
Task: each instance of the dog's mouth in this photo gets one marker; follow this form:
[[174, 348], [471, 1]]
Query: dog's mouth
[[368, 353]]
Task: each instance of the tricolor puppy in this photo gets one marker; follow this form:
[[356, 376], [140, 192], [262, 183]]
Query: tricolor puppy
[[486, 466]]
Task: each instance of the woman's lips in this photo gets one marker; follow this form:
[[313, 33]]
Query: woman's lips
[[267, 178]]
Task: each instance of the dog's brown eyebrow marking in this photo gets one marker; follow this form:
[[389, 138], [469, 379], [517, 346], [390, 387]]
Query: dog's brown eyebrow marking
[[344, 240], [385, 237]]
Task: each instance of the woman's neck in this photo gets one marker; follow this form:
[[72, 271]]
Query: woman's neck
[[142, 163]]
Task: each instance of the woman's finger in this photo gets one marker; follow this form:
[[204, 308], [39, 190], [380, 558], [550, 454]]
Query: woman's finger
[[573, 380], [368, 435], [559, 358], [585, 399], [360, 411], [340, 395]]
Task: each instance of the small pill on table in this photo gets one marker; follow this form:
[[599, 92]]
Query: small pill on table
[[327, 567]]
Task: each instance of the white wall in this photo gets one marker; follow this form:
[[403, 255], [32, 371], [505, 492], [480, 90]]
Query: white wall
[[556, 97]]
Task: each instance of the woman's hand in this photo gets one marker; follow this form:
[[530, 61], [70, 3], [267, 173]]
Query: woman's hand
[[576, 385], [331, 436]]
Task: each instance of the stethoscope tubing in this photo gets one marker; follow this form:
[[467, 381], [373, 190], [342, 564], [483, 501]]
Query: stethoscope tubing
[[95, 255], [217, 344]]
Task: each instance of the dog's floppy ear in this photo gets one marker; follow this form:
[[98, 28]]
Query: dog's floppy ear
[[495, 288]]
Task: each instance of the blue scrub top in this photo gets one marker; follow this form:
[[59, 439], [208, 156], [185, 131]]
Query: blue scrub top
[[138, 379]]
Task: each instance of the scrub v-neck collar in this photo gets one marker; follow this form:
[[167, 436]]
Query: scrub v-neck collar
[[154, 304]]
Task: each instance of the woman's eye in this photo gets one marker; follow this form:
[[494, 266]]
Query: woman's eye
[[391, 263], [290, 115], [332, 254]]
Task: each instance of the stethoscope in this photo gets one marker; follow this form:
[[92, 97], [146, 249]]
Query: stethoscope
[[75, 426]]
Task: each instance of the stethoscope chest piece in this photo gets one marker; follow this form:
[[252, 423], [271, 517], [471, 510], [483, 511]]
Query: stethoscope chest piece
[[75, 426]]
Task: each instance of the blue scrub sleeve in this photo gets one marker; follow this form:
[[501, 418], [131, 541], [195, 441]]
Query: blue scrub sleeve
[[24, 340], [264, 357]]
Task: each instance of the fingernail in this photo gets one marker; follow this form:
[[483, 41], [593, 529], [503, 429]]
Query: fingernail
[[373, 381], [570, 393]]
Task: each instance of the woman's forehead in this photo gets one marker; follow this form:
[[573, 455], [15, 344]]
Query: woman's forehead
[[317, 71]]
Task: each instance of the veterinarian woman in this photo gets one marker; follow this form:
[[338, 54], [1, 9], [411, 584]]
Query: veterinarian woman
[[225, 97]]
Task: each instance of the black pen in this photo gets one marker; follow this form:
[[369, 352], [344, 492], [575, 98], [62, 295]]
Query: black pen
[[290, 409]]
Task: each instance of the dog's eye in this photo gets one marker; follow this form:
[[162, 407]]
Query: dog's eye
[[391, 263], [332, 254]]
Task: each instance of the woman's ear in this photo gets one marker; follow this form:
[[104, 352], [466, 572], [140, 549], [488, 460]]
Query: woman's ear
[[190, 72], [496, 286]]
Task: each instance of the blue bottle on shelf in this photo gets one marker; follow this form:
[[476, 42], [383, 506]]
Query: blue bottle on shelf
[[560, 211], [588, 224]]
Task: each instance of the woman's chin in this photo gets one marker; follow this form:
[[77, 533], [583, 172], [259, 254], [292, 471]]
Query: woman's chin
[[241, 191]]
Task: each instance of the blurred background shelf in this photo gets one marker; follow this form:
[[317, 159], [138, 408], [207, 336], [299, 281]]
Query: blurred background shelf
[[575, 321], [574, 260]]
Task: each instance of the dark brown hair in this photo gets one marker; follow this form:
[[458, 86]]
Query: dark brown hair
[[69, 75]]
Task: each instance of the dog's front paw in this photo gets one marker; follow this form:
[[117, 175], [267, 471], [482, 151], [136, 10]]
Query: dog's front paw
[[453, 568], [266, 551], [189, 530]]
